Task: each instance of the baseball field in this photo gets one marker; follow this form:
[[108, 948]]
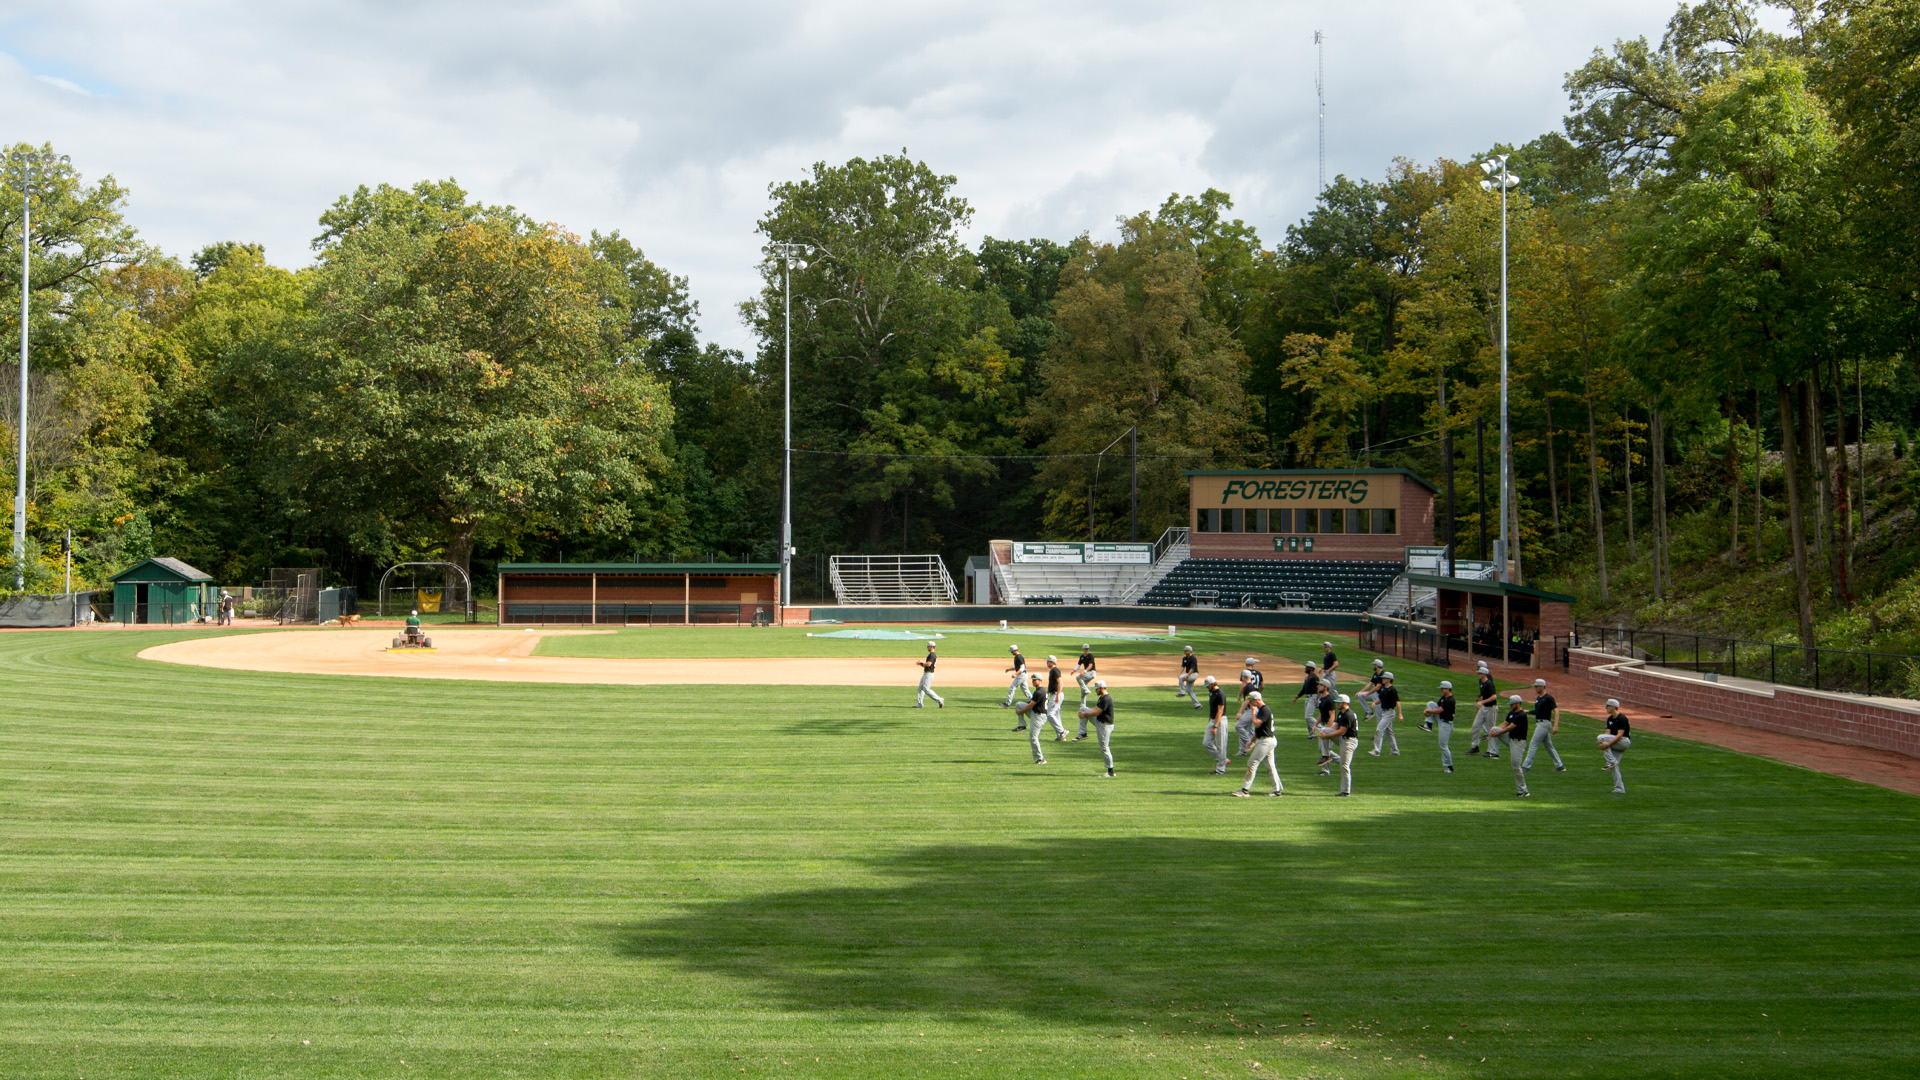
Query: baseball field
[[214, 872]]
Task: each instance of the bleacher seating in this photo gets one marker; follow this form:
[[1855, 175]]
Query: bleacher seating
[[1329, 584]]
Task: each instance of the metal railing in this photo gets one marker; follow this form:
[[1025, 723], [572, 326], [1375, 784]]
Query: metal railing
[[1850, 671], [1175, 541], [1406, 640], [890, 579]]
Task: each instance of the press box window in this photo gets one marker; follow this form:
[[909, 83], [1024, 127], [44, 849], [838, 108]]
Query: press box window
[[1386, 521], [1280, 521], [1207, 520], [1330, 521], [1229, 521], [1256, 521]]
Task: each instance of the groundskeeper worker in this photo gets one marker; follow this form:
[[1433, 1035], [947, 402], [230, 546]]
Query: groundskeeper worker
[[1546, 724], [1512, 730], [1615, 742], [1102, 716], [413, 625], [1263, 744], [926, 680]]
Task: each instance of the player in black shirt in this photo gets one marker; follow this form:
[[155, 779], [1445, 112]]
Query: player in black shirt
[[1083, 674], [1017, 688], [1389, 701], [1329, 664], [1053, 698], [1512, 730], [1102, 716], [1310, 689], [1189, 674], [1615, 742], [1486, 714], [1370, 696], [1034, 711], [926, 680], [1343, 733], [1325, 704], [1215, 740], [1440, 718], [1546, 724], [1263, 744]]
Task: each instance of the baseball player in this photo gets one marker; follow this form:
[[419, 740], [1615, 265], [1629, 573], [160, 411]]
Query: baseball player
[[1330, 664], [1343, 732], [1084, 675], [1440, 718], [1189, 674], [1513, 727], [1102, 716], [1615, 742], [1053, 698], [926, 680], [1263, 744], [1389, 699], [1326, 702], [1310, 689], [1251, 683], [1034, 711], [1215, 740], [1486, 714], [1546, 724], [1370, 696], [1019, 683]]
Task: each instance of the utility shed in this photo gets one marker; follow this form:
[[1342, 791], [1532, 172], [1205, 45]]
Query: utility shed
[[164, 591], [640, 594]]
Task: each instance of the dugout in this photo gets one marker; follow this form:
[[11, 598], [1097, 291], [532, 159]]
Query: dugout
[[164, 591], [1368, 515], [640, 594], [1497, 619]]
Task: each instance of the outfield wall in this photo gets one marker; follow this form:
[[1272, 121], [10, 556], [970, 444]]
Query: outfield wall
[[1036, 614], [1846, 719]]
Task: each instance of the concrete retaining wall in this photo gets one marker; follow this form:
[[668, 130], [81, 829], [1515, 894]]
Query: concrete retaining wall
[[1811, 714]]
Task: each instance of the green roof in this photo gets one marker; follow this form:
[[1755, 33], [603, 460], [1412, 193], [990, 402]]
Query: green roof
[[160, 570], [1408, 473], [754, 569], [1486, 588]]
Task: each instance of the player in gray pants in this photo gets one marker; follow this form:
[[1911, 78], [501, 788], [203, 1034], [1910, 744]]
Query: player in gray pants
[[1388, 699], [1615, 742], [1512, 730], [926, 681], [1053, 698], [1102, 716], [1546, 724], [1034, 709], [1016, 689]]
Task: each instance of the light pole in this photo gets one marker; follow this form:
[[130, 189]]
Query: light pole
[[32, 165], [1498, 176], [787, 251]]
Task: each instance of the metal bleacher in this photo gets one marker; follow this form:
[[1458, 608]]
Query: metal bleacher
[[1273, 584], [1072, 583], [867, 580]]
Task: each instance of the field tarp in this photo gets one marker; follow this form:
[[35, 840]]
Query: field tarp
[[29, 610]]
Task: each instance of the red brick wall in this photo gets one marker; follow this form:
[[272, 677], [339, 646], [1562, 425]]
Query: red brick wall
[[1554, 621], [1834, 718]]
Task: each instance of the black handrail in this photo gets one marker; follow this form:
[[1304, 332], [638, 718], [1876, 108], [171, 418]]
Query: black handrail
[[1854, 671]]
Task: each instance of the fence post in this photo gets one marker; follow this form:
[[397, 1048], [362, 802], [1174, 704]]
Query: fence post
[[1816, 667]]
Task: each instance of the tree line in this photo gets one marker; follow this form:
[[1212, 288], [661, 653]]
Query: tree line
[[1714, 258]]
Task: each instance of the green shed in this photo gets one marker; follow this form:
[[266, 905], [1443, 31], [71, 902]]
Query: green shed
[[163, 591]]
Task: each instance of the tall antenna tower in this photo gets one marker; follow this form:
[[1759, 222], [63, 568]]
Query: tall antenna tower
[[1320, 90]]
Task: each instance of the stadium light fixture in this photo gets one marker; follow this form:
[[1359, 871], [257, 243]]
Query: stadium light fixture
[[789, 259], [1498, 177], [29, 165]]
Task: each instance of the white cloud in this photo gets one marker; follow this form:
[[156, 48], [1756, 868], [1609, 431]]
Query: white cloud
[[668, 121]]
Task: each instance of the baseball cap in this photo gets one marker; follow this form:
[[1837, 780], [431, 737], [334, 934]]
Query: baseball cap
[[1386, 674], [1101, 683], [1210, 680], [1035, 676], [1539, 682], [1052, 659], [1085, 645], [1515, 699], [1311, 666], [1326, 644], [1251, 661], [1189, 648], [1613, 703], [1345, 700], [1379, 663], [1013, 648], [1444, 685], [1255, 696]]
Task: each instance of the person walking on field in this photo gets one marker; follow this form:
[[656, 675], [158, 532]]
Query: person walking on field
[[1251, 683], [1546, 724], [1370, 697], [1189, 674], [1512, 730], [1440, 718], [1389, 712], [1084, 675], [1486, 714], [1034, 711], [926, 680], [1343, 734], [1329, 665], [1263, 744], [1017, 688], [1325, 704], [1615, 742], [1102, 716], [1310, 689], [1215, 740], [1054, 695]]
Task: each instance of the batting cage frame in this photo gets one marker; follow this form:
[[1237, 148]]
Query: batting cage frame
[[453, 593]]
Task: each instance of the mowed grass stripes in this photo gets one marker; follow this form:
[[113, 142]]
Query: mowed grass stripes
[[227, 874]]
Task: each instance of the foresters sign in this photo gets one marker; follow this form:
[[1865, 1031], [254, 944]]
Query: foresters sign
[[1370, 491]]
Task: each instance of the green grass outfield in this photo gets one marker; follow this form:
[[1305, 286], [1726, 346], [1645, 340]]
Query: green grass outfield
[[225, 874]]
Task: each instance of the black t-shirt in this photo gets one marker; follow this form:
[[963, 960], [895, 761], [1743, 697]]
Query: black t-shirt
[[1019, 662], [1216, 703], [1447, 704], [1190, 662], [1039, 700], [1543, 707], [1617, 725], [1348, 723], [929, 661], [1308, 687], [1487, 689], [1257, 682], [1328, 704], [1518, 718], [1327, 661], [1374, 683], [1263, 723], [1389, 698], [1086, 659], [1105, 705], [1053, 680]]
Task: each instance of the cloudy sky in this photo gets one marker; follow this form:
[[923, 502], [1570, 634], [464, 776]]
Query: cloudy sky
[[243, 121]]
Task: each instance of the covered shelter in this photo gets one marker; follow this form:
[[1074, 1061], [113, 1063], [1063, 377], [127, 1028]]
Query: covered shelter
[[640, 594], [161, 590], [1497, 619]]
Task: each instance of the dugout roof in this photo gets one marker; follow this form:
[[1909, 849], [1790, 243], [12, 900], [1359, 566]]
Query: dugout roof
[[1486, 588], [705, 569]]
